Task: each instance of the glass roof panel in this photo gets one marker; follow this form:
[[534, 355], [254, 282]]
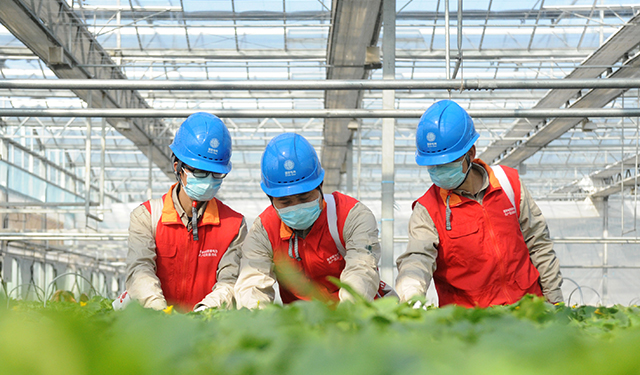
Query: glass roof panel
[[287, 40]]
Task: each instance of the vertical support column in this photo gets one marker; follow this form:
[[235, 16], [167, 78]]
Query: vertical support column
[[622, 171], [103, 148], [87, 167], [4, 196], [605, 251], [349, 163], [359, 158], [25, 275], [150, 188], [601, 25], [388, 140], [5, 268], [636, 168], [459, 58], [459, 26], [118, 36], [354, 126], [447, 40]]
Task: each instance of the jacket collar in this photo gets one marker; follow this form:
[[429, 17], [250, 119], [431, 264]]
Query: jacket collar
[[170, 214], [456, 199], [493, 181]]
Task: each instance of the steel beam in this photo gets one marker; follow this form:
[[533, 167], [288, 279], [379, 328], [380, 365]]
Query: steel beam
[[387, 187], [222, 54], [320, 55], [329, 84], [63, 236], [355, 26], [604, 182], [61, 40], [184, 95], [173, 13], [553, 129], [314, 113], [615, 48], [309, 55]]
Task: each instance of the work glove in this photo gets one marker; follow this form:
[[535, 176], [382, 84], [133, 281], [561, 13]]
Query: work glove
[[199, 308], [121, 301], [418, 302]]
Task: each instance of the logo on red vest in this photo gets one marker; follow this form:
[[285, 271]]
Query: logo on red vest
[[208, 253], [334, 258], [509, 211]]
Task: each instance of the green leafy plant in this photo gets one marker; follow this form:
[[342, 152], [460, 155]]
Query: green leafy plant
[[313, 337]]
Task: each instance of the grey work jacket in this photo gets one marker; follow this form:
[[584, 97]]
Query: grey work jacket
[[418, 263], [255, 286], [142, 283]]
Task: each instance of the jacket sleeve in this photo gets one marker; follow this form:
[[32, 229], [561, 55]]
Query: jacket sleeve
[[227, 273], [418, 263], [536, 235], [142, 283], [256, 277], [360, 235]]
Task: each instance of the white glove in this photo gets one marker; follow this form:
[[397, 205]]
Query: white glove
[[121, 301], [200, 308], [419, 305]]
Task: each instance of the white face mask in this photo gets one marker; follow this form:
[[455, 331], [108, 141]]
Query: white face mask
[[448, 176], [301, 216], [202, 189]]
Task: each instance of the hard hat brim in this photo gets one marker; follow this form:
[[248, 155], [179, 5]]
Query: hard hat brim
[[285, 190], [210, 166], [439, 159]]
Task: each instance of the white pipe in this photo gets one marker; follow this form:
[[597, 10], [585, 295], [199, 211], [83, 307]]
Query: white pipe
[[447, 41], [387, 189], [388, 84], [313, 113], [87, 166]]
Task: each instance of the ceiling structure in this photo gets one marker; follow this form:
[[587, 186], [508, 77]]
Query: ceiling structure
[[62, 41], [298, 40], [355, 25]]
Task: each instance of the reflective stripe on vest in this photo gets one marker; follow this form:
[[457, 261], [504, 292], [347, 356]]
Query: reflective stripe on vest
[[384, 289], [187, 269], [483, 260], [505, 184]]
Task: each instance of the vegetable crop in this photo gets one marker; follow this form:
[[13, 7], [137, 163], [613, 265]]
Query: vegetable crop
[[380, 337]]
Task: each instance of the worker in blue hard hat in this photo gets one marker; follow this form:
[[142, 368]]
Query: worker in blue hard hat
[[306, 233], [477, 231], [184, 247]]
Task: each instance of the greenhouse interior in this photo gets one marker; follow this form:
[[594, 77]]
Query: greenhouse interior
[[92, 93]]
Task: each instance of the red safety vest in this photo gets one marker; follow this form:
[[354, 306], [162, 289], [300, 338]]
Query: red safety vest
[[186, 268], [319, 256], [483, 259]]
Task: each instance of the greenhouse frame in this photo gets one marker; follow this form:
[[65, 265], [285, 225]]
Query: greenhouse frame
[[92, 93]]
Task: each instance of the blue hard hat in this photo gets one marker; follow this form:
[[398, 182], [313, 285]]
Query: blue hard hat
[[203, 142], [445, 133], [290, 166]]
